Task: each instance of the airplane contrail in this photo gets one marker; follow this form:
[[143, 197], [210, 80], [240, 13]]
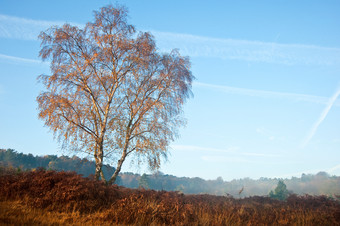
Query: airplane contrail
[[321, 118], [197, 46]]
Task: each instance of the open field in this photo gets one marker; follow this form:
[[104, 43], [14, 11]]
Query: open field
[[56, 198]]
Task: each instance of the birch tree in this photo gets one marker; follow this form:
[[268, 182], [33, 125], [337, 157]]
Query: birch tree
[[111, 93]]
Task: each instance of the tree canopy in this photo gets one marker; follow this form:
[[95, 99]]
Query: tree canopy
[[110, 92]]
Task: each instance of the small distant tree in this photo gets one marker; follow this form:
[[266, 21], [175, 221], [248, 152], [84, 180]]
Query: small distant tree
[[110, 92], [143, 181], [280, 192]]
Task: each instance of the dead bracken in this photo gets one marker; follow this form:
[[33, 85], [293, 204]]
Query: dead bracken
[[68, 198]]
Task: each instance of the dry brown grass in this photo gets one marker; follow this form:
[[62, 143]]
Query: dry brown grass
[[59, 198]]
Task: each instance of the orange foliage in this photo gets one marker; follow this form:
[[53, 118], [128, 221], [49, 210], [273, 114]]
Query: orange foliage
[[111, 93], [78, 200]]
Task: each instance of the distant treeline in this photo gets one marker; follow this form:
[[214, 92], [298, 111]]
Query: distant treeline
[[319, 184], [13, 159]]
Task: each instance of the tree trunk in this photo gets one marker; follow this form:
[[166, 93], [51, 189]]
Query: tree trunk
[[98, 169], [119, 167], [98, 155], [102, 176], [124, 154]]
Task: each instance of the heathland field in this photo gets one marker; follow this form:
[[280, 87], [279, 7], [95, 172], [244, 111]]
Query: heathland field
[[43, 197]]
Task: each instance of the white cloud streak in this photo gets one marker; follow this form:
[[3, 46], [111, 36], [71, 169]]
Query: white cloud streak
[[223, 159], [198, 46], [20, 60], [266, 94], [260, 155], [231, 151], [254, 51], [24, 29], [204, 149], [321, 118]]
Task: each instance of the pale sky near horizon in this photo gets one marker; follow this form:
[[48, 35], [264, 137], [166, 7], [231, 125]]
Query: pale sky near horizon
[[266, 95]]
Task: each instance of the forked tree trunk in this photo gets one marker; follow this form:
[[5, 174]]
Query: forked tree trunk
[[119, 167], [122, 158]]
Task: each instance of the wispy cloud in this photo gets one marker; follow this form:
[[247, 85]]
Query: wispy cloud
[[198, 46], [266, 94], [24, 29], [247, 50], [205, 149], [223, 159], [322, 117], [20, 60], [261, 155], [233, 151], [21, 28]]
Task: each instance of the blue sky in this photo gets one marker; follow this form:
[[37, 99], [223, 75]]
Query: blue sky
[[266, 98]]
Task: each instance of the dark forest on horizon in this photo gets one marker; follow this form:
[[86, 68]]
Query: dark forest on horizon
[[318, 184]]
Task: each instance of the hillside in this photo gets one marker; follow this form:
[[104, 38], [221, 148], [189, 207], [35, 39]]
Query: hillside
[[319, 184], [43, 197]]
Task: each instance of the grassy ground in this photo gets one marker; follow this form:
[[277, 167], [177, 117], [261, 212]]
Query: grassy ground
[[61, 198]]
